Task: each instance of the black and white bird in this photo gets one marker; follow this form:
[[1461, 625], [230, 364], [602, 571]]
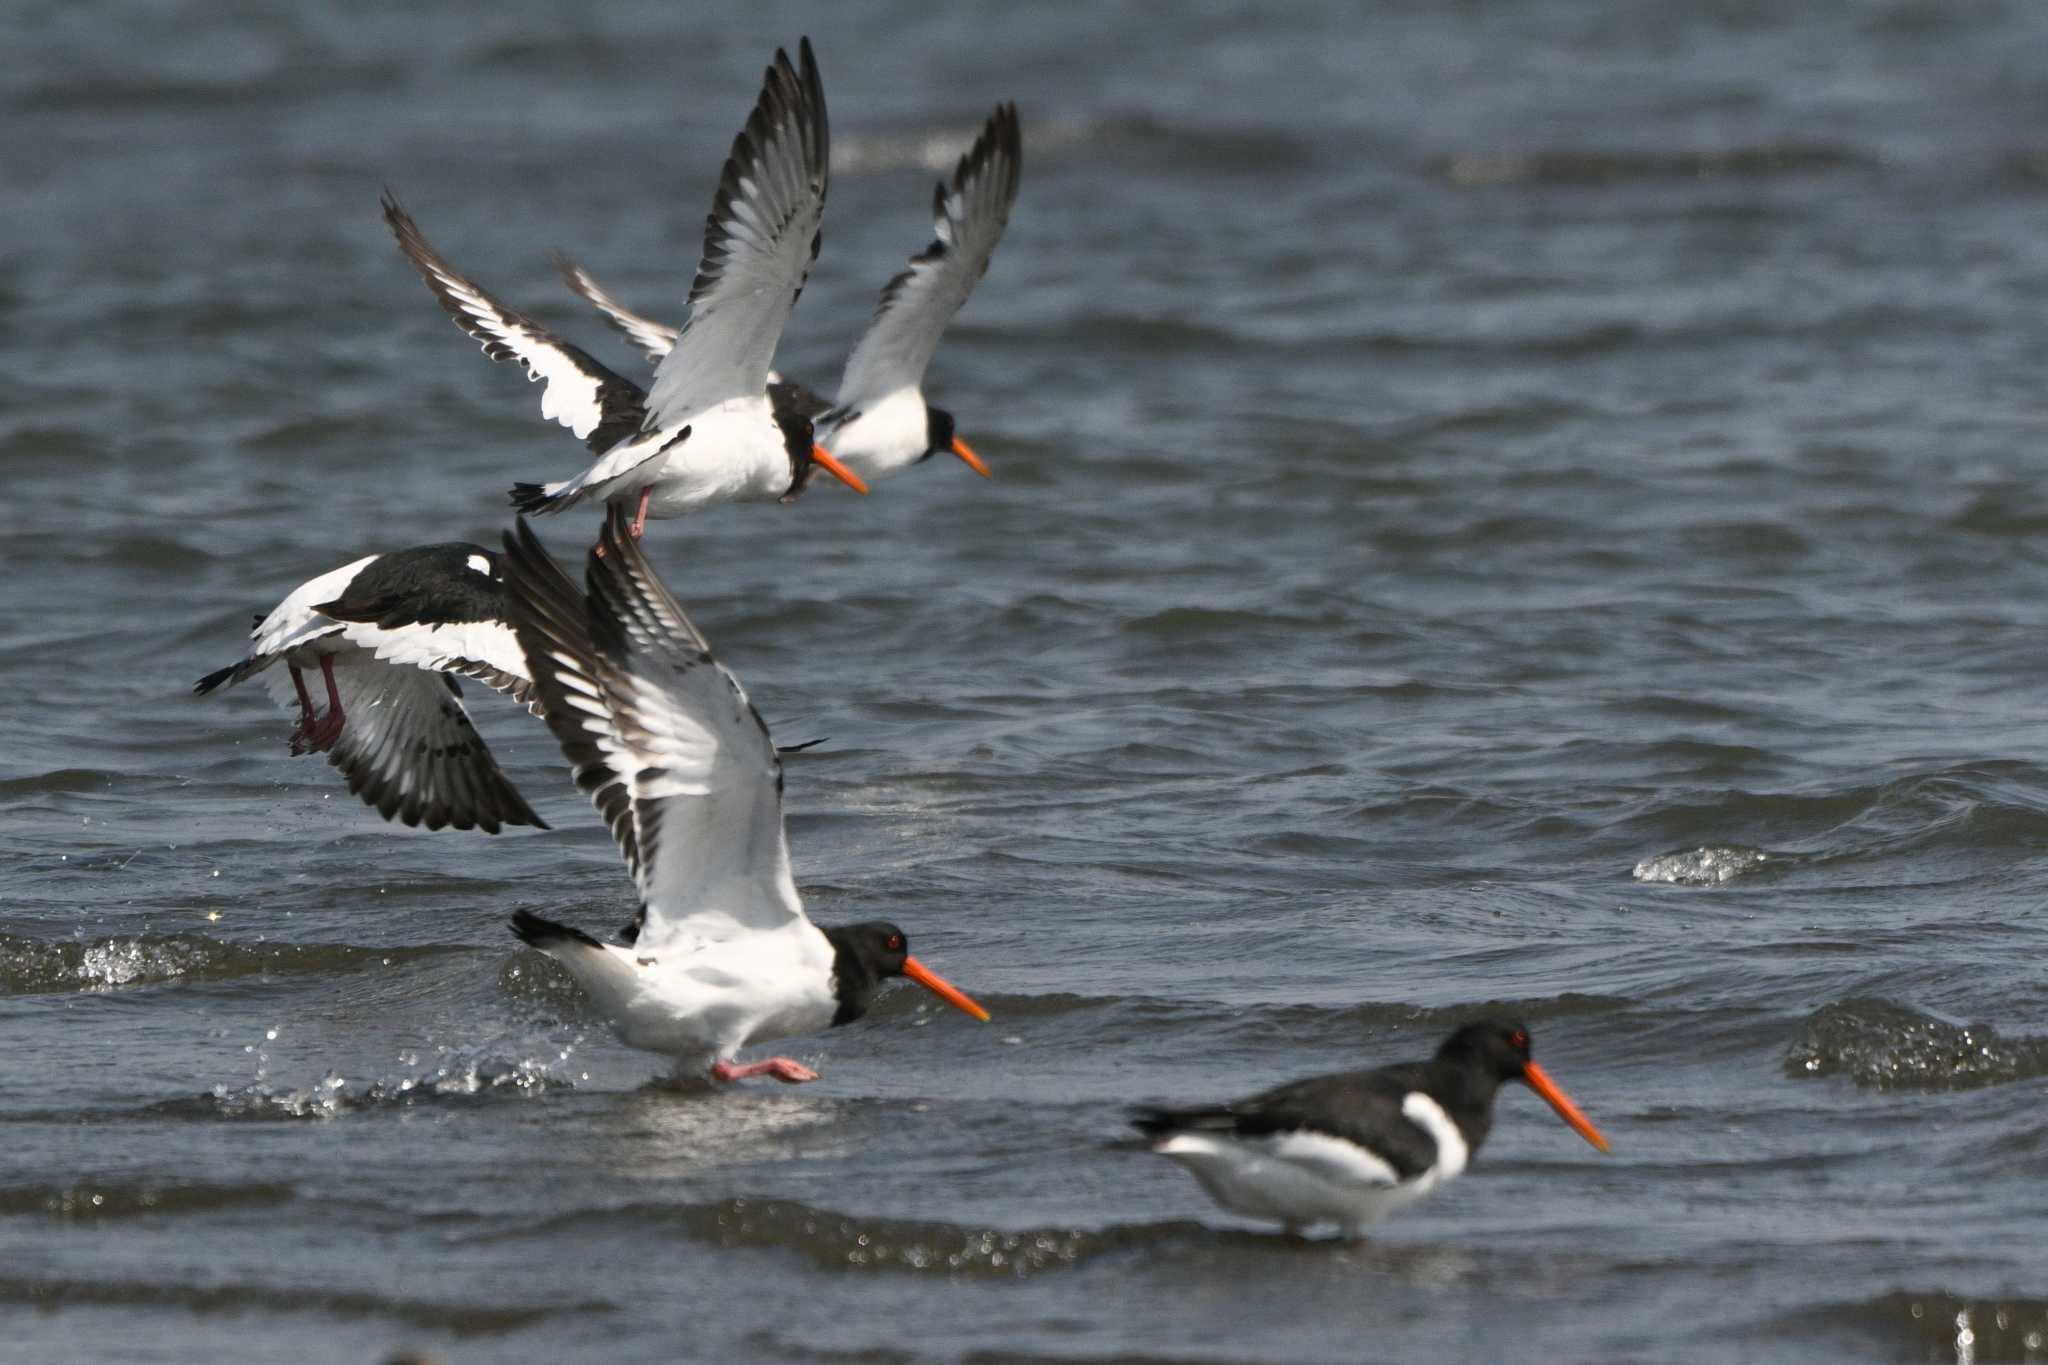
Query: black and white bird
[[707, 431], [679, 764], [880, 422], [1351, 1148], [386, 633]]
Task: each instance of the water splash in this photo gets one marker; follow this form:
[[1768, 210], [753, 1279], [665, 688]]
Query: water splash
[[453, 1073], [1707, 865], [31, 966], [1889, 1046]]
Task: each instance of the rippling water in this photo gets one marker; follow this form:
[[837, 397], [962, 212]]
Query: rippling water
[[1521, 505]]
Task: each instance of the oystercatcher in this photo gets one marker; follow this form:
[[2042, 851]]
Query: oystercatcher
[[880, 422], [707, 431], [1353, 1147], [380, 630], [680, 765]]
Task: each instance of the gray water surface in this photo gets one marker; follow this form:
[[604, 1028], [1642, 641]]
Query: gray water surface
[[1526, 506]]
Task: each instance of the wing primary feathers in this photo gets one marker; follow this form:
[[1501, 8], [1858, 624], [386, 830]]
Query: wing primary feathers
[[552, 621], [969, 213], [600, 406], [655, 339]]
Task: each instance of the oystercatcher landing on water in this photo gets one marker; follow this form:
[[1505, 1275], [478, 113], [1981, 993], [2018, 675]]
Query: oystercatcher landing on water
[[379, 630], [880, 422], [1353, 1147], [708, 431], [678, 762]]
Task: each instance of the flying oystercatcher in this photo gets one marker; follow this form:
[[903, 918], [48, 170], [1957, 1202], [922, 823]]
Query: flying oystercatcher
[[707, 431], [680, 765], [386, 633], [880, 422], [1353, 1147]]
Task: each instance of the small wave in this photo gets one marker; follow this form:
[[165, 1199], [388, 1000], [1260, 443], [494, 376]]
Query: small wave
[[1889, 1046], [1992, 804], [1936, 1325], [1564, 166], [34, 966], [856, 1242], [462, 1319], [938, 149], [1703, 866], [57, 780], [91, 1202]]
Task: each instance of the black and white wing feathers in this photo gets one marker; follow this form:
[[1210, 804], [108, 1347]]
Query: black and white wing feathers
[[1360, 1107], [409, 749], [582, 394], [760, 241], [655, 339], [970, 215], [660, 736]]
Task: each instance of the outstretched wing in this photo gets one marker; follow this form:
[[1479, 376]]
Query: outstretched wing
[[760, 241], [660, 736], [601, 407], [916, 306], [655, 339], [408, 748]]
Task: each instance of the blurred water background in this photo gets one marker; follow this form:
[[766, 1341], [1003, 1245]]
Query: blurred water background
[[1532, 504]]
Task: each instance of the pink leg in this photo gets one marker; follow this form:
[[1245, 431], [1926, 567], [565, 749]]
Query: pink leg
[[329, 729], [302, 738], [639, 521], [781, 1068]]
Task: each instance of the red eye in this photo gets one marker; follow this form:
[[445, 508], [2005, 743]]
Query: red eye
[[1520, 1040]]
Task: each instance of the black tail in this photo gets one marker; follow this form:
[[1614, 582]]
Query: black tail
[[533, 498], [1155, 1122], [231, 674], [545, 933]]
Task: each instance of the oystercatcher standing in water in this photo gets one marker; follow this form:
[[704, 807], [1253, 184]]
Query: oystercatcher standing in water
[[1353, 1147], [880, 422], [680, 765]]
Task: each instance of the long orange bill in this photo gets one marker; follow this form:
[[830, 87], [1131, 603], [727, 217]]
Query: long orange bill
[[823, 459], [937, 985], [966, 452], [1558, 1100]]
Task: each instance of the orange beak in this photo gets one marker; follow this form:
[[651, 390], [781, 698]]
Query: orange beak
[[1558, 1100], [823, 459], [937, 985], [966, 452]]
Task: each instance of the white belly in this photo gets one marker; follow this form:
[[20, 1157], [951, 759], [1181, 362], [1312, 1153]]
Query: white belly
[[703, 1005], [882, 437], [1298, 1179], [734, 453]]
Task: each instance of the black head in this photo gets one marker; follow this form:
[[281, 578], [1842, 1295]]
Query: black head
[[939, 431], [877, 945], [867, 954], [1499, 1046], [864, 956], [1486, 1052], [942, 437], [798, 438]]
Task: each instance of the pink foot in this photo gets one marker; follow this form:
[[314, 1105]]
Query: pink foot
[[781, 1068]]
